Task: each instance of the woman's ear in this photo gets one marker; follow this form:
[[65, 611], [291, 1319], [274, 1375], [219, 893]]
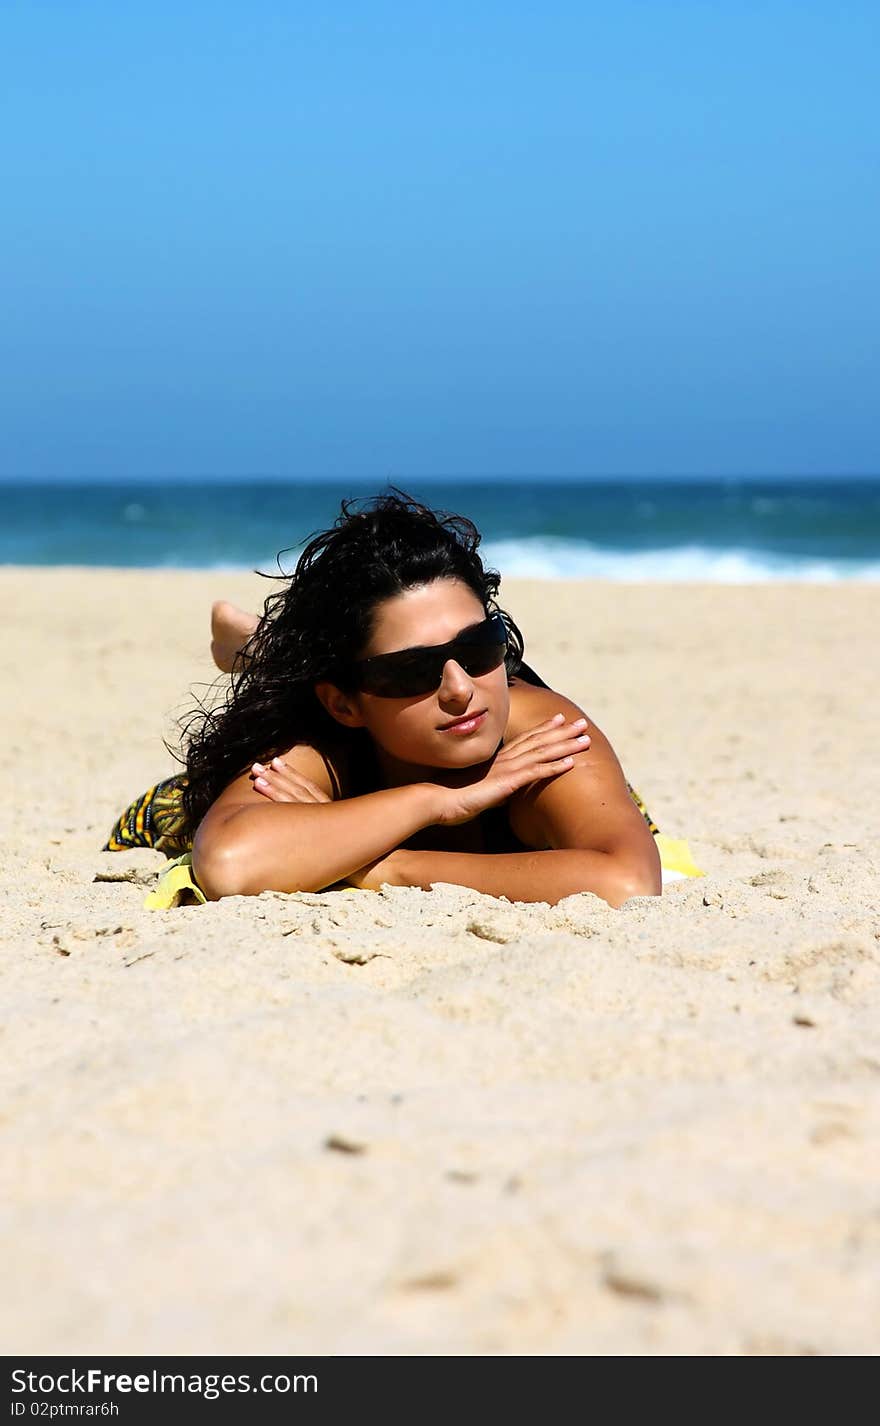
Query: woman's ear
[[341, 706]]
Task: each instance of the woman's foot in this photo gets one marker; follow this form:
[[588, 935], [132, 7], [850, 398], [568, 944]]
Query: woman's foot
[[230, 630]]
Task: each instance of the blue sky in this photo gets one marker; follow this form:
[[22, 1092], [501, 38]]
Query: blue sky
[[402, 239]]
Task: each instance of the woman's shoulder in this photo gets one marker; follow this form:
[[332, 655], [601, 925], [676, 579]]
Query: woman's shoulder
[[531, 704], [327, 762]]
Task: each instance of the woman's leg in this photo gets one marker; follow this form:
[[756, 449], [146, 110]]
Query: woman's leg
[[230, 630]]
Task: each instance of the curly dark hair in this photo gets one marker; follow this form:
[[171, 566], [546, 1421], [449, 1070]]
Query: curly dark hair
[[313, 629]]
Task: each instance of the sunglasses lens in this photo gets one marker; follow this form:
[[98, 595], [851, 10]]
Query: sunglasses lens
[[480, 661], [422, 672]]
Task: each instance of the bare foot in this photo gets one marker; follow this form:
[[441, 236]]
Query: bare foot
[[230, 630]]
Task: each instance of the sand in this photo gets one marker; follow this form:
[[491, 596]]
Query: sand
[[435, 1122]]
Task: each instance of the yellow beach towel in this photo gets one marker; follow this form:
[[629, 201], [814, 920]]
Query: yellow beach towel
[[675, 858], [176, 887]]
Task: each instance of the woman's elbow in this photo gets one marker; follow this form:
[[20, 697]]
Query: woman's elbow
[[636, 881], [218, 872], [633, 876], [636, 886], [220, 867]]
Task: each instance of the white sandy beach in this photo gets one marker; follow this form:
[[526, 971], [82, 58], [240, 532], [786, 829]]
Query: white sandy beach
[[433, 1122]]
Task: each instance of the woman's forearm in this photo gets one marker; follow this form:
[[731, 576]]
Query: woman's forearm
[[298, 846], [530, 876]]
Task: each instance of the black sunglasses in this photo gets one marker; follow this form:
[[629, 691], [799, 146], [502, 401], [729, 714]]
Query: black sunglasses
[[406, 674]]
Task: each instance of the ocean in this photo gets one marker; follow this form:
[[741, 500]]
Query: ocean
[[720, 530]]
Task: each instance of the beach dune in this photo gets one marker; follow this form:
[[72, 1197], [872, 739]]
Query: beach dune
[[435, 1122]]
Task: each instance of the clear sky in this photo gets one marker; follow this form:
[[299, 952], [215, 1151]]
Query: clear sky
[[399, 238]]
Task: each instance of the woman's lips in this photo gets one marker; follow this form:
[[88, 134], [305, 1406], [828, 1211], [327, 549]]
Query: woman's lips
[[468, 725]]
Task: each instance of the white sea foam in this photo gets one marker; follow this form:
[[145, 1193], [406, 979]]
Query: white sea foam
[[553, 558]]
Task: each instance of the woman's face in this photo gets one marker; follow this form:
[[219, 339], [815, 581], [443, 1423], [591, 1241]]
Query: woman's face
[[409, 732]]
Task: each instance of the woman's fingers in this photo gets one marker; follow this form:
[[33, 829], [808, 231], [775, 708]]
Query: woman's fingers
[[297, 779], [544, 748], [274, 794], [544, 752], [563, 752], [283, 784], [547, 733], [548, 759], [267, 782], [549, 725]]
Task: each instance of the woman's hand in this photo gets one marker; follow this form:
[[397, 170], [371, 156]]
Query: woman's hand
[[544, 751], [281, 783]]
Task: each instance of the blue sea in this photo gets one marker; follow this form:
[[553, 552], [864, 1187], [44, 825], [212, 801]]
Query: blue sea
[[720, 530]]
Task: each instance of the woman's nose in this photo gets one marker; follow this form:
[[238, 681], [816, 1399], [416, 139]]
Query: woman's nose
[[456, 683]]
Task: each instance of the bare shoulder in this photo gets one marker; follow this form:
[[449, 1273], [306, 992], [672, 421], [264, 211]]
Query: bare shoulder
[[588, 806], [530, 705], [327, 764]]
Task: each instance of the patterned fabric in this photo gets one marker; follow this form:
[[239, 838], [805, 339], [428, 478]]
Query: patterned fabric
[[155, 819], [643, 809]]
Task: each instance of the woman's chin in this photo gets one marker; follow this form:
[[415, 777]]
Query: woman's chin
[[460, 750]]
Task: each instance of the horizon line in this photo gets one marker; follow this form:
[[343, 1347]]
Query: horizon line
[[277, 476]]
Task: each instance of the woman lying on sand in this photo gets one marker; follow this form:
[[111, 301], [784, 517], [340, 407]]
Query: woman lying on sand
[[381, 726]]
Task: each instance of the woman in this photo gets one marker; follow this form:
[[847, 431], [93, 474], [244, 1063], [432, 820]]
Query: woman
[[381, 727]]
